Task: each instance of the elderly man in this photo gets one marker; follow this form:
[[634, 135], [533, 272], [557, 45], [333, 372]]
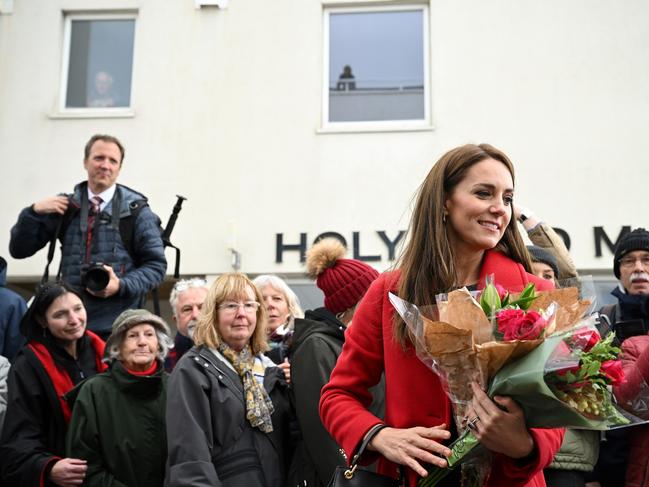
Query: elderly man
[[112, 246], [186, 302], [625, 450]]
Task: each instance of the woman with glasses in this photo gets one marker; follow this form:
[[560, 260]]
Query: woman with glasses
[[227, 404]]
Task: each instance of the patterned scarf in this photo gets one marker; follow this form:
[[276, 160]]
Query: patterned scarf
[[258, 404]]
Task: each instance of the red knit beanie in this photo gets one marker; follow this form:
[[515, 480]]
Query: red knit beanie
[[343, 281]]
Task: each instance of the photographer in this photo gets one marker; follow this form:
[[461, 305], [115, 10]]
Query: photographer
[[112, 247]]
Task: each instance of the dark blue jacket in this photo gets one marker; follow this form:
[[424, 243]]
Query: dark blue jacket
[[137, 275], [12, 309]]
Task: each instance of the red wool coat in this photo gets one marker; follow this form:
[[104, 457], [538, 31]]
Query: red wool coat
[[414, 396], [635, 363]]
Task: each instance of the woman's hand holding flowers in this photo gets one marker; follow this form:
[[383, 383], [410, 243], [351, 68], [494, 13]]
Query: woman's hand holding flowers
[[501, 427]]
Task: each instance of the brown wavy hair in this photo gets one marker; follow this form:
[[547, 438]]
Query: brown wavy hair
[[230, 287], [426, 263]]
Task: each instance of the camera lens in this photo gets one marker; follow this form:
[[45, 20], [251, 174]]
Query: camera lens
[[96, 278]]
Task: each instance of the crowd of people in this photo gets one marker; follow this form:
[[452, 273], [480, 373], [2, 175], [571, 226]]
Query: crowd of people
[[252, 390]]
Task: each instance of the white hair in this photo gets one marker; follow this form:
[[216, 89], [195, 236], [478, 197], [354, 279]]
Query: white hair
[[182, 286], [277, 283], [165, 343]]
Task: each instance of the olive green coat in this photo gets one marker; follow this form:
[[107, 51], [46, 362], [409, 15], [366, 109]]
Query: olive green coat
[[118, 426]]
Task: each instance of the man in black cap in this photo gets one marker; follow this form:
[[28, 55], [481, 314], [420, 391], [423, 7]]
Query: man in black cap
[[622, 455], [631, 266]]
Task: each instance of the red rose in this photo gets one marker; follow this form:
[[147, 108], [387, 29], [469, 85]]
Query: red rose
[[612, 369], [585, 339], [516, 324]]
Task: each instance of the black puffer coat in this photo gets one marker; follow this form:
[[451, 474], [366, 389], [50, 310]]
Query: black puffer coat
[[210, 441], [317, 342]]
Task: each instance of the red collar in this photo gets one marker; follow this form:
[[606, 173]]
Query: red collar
[[150, 371]]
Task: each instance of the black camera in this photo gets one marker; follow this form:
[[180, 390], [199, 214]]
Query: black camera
[[94, 276]]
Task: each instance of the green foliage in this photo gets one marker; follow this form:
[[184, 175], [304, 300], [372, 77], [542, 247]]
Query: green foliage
[[526, 298]]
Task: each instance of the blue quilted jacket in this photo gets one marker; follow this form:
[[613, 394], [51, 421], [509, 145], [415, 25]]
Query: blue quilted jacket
[[137, 275]]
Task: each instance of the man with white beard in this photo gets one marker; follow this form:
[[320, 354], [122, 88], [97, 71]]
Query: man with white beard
[[623, 455], [186, 301]]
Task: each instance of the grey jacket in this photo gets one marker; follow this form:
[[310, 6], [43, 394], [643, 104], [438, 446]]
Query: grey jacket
[[210, 441], [4, 372], [542, 235], [137, 275]]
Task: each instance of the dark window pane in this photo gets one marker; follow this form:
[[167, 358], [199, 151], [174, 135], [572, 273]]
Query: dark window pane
[[376, 66], [101, 63]]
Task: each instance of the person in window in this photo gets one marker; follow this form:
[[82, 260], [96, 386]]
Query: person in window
[[60, 352], [228, 411], [118, 418], [102, 93], [461, 230], [346, 80]]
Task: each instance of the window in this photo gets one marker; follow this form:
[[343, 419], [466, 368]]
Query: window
[[376, 66], [97, 63]]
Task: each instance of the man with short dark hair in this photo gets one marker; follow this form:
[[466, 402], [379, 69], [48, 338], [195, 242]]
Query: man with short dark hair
[[101, 223]]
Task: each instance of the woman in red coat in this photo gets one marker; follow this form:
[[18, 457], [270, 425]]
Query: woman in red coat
[[461, 231]]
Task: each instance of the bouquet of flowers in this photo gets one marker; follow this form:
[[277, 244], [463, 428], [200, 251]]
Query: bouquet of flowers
[[524, 346]]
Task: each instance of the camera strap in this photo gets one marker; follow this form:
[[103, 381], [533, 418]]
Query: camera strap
[[50, 253]]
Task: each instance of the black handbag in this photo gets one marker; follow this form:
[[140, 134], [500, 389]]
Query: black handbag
[[353, 476]]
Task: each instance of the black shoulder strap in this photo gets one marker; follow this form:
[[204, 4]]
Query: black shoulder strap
[[607, 315], [127, 232], [127, 226], [61, 227], [610, 312]]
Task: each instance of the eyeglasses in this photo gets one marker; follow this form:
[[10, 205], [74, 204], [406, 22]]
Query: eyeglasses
[[230, 307], [630, 261]]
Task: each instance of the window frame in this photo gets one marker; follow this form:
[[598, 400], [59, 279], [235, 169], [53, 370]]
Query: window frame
[[376, 125], [91, 112]]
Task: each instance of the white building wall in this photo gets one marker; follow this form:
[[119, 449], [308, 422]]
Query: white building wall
[[227, 111]]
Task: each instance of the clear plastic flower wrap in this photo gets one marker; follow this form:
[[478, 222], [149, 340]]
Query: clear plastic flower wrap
[[518, 346]]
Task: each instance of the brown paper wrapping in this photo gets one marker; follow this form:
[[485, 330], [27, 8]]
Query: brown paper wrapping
[[462, 341]]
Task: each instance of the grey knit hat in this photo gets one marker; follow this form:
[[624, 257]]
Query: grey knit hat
[[130, 318], [539, 254], [638, 239]]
